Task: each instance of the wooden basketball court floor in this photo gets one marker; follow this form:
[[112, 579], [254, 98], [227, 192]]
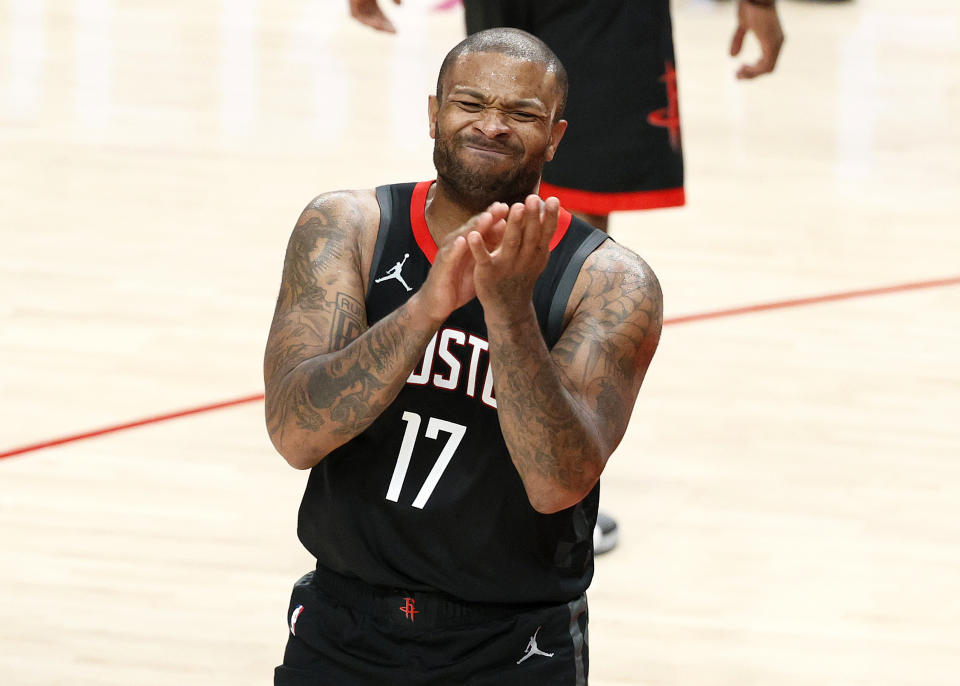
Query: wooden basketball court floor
[[788, 490]]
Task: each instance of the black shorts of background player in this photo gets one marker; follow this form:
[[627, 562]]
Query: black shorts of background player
[[451, 517]]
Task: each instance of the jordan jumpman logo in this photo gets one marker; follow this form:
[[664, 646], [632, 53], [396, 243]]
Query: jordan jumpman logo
[[394, 273], [532, 648]]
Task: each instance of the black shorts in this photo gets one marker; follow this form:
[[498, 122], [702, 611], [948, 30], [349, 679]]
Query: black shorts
[[622, 147], [346, 633]]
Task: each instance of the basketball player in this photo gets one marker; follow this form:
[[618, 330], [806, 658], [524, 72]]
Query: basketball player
[[456, 432]]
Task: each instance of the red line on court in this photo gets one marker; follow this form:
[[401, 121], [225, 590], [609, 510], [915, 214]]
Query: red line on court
[[716, 314], [814, 300], [131, 425]]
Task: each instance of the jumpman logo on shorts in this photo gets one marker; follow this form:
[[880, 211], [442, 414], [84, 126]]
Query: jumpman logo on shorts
[[532, 648], [394, 273]]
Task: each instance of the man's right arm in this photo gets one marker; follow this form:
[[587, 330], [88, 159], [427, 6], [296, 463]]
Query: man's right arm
[[327, 374]]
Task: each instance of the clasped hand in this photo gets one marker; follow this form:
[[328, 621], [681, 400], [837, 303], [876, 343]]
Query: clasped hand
[[496, 256]]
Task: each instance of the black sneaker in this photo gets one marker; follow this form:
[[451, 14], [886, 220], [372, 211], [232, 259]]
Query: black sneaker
[[604, 534]]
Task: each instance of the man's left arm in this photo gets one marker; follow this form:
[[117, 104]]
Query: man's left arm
[[563, 412]]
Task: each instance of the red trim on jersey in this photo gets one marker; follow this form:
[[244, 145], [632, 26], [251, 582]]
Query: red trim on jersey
[[605, 203], [418, 220]]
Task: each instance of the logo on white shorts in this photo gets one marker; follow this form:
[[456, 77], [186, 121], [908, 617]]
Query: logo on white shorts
[[532, 648], [293, 619]]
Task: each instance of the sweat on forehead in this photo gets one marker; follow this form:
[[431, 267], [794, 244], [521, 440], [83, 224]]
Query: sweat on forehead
[[514, 43]]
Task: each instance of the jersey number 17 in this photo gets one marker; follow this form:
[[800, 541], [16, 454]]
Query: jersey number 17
[[410, 434]]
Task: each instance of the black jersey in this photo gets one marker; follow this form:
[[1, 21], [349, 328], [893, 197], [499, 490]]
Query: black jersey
[[427, 497]]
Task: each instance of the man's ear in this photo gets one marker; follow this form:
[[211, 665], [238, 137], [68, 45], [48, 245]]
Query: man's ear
[[556, 133], [433, 108]]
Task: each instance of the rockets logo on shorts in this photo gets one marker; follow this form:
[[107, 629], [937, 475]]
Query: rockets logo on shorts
[[668, 117], [409, 608]]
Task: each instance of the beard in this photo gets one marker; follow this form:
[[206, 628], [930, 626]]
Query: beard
[[475, 187]]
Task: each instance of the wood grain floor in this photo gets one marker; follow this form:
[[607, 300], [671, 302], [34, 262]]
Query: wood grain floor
[[789, 489]]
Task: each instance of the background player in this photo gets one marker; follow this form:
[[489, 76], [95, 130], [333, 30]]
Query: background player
[[451, 525]]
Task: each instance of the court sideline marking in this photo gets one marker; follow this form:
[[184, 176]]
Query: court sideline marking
[[685, 319]]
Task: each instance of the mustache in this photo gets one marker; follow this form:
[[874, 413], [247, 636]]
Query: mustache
[[487, 144]]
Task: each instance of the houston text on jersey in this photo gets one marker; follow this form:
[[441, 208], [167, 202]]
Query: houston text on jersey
[[443, 365]]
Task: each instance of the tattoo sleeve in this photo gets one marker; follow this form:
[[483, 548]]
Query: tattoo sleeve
[[327, 374], [563, 412]]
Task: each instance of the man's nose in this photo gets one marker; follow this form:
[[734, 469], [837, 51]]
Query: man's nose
[[492, 122]]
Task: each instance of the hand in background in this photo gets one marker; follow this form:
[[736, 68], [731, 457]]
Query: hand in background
[[763, 21], [368, 12]]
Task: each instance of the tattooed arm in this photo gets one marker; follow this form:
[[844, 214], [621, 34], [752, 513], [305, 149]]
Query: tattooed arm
[[328, 375], [563, 412]]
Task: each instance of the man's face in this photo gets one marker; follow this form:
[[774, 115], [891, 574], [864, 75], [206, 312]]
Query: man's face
[[494, 128]]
